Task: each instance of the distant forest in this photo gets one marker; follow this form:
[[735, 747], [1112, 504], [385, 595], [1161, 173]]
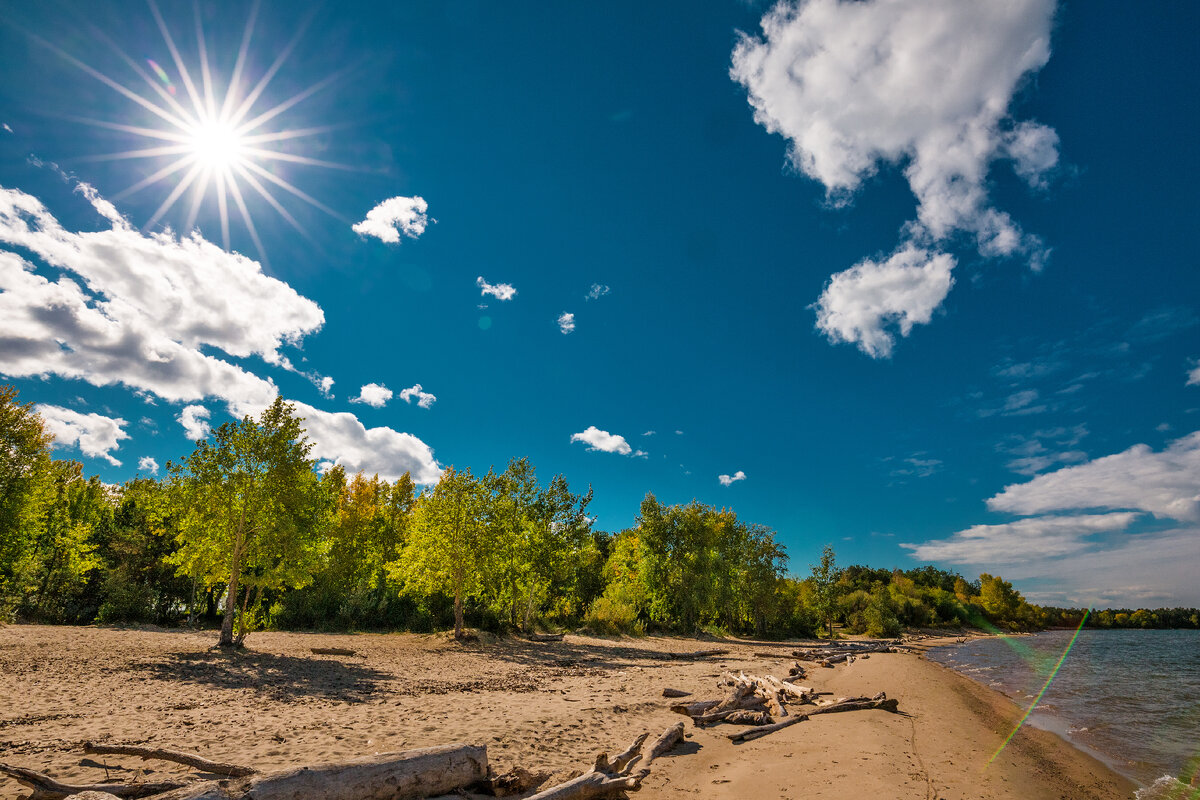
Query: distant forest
[[244, 533]]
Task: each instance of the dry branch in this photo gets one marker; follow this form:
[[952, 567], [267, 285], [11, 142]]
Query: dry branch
[[333, 651], [611, 778], [46, 788], [696, 654], [189, 759], [545, 637]]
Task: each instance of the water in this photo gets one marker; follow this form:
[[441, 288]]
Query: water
[[1132, 697]]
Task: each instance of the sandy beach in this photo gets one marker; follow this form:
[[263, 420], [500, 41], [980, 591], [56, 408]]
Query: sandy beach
[[548, 706]]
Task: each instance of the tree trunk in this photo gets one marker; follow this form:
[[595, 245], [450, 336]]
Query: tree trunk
[[458, 609], [235, 569], [190, 759], [409, 775]]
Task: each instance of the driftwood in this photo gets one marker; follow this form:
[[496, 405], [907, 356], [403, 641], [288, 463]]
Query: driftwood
[[851, 704], [695, 654], [408, 775], [669, 692], [188, 759], [545, 637], [333, 651], [613, 777], [46, 788]]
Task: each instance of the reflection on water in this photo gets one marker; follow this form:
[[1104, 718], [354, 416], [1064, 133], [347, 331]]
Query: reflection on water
[[1132, 696]]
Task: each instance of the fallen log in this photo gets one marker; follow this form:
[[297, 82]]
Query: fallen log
[[517, 780], [669, 692], [545, 637], [612, 778], [754, 733], [46, 788], [188, 759], [724, 715], [853, 704], [408, 775], [333, 651], [696, 654], [695, 709]]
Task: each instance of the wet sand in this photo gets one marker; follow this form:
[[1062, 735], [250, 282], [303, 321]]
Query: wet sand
[[544, 706]]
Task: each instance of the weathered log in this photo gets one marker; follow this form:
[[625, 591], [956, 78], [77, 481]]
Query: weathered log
[[46, 788], [695, 709], [746, 717], [855, 704], [162, 754], [753, 705], [333, 651], [669, 692], [545, 637], [408, 775], [696, 654], [754, 733], [613, 777]]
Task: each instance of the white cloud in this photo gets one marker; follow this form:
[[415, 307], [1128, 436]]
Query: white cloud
[[1194, 376], [1022, 540], [597, 291], [566, 322], [340, 438], [7, 128], [393, 217], [326, 387], [151, 303], [862, 304], [194, 420], [95, 434], [148, 464], [649, 433], [424, 399], [606, 442], [1165, 484], [500, 291], [730, 480], [373, 394], [925, 86]]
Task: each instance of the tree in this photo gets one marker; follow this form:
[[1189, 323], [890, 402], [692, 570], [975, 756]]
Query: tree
[[825, 595], [447, 549], [250, 508], [24, 469]]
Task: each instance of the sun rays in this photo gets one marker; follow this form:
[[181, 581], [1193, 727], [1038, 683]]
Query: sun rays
[[216, 138]]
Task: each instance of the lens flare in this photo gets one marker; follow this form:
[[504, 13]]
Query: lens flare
[[1042, 691]]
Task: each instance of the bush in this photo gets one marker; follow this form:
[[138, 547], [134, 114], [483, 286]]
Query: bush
[[880, 617], [608, 616], [125, 601]]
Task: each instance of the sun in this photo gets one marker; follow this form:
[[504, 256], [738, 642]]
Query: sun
[[211, 137], [217, 145]]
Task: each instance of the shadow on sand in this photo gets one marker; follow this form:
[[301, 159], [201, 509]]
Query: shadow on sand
[[278, 676]]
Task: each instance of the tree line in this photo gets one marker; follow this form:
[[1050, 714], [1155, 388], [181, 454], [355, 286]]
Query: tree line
[[245, 533]]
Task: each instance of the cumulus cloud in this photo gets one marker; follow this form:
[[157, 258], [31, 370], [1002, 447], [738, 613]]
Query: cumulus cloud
[[424, 399], [865, 303], [566, 322], [340, 438], [393, 217], [597, 291], [148, 464], [194, 420], [1021, 540], [1194, 376], [1165, 484], [603, 441], [326, 387], [925, 86], [500, 291], [95, 434], [730, 480], [373, 394], [136, 310]]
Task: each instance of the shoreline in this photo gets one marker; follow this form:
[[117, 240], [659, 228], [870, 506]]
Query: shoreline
[[543, 706]]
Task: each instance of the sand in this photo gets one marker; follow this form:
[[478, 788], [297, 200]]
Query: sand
[[548, 706]]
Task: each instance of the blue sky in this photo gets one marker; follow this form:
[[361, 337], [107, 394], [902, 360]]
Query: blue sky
[[916, 278]]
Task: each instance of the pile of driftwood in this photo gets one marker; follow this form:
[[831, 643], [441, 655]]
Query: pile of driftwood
[[828, 655], [409, 775], [762, 702]]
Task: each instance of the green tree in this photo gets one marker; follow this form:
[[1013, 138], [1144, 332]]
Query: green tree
[[825, 588], [24, 469], [250, 509], [447, 548]]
